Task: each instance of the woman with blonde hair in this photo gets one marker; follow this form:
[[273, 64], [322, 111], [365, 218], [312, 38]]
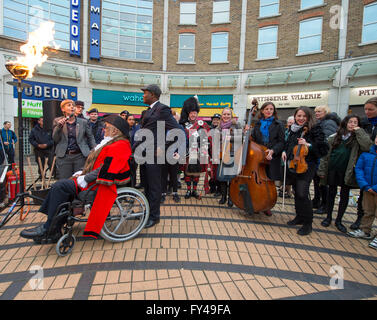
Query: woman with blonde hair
[[227, 126], [329, 122]]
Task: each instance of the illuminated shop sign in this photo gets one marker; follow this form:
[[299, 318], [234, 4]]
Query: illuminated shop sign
[[74, 43], [95, 22]]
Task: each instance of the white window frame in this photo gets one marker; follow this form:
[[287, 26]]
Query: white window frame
[[311, 6], [118, 40], [261, 6], [299, 37], [214, 13], [227, 47], [179, 48], [182, 4], [276, 42], [28, 19], [362, 32]]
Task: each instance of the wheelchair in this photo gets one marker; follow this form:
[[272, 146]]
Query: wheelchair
[[126, 219]]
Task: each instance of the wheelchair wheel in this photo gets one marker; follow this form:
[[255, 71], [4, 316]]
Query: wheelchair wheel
[[127, 217], [65, 245]]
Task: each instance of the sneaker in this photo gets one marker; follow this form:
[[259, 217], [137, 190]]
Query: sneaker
[[359, 234], [373, 244]]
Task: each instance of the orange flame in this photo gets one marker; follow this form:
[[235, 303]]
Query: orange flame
[[34, 50]]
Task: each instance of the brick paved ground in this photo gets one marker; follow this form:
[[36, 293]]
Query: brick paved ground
[[200, 250]]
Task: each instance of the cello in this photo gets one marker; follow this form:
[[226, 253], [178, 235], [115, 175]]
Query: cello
[[251, 190]]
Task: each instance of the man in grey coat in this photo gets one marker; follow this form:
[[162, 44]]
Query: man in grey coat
[[73, 139]]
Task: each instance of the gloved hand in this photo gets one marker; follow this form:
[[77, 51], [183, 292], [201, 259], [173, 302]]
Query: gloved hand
[[76, 174], [81, 182]]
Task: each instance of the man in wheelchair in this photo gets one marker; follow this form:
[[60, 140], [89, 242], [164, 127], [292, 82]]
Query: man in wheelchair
[[106, 166]]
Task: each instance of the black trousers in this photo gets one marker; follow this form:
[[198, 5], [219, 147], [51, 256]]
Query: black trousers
[[301, 184], [343, 203], [170, 170], [153, 189], [320, 191], [62, 191]]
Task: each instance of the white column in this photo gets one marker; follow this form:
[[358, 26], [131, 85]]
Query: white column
[[343, 24], [243, 35], [84, 30], [165, 37]]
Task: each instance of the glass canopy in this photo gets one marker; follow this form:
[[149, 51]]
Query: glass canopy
[[225, 81], [291, 77], [363, 69], [125, 78], [53, 69]]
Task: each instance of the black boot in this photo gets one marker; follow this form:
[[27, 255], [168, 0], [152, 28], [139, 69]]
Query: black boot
[[188, 194], [223, 188], [316, 203], [295, 221], [338, 223], [356, 224], [194, 194], [305, 229]]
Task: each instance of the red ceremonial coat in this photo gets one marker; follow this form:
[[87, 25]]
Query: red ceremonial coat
[[113, 160]]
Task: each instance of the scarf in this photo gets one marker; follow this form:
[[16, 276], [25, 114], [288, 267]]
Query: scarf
[[346, 136], [373, 121], [264, 128], [225, 125], [295, 127]]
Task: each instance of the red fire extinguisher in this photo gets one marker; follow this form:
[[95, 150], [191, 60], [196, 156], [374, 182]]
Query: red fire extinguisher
[[13, 182]]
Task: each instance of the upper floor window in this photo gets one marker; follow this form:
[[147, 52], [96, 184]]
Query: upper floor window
[[186, 47], [268, 8], [219, 47], [370, 23], [188, 13], [305, 4], [20, 17], [127, 27], [220, 11], [310, 37], [267, 42]]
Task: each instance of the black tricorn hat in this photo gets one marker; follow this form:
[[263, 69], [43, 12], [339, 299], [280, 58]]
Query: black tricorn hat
[[216, 115], [191, 104], [119, 123]]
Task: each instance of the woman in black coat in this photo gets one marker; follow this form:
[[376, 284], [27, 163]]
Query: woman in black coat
[[269, 131], [314, 139]]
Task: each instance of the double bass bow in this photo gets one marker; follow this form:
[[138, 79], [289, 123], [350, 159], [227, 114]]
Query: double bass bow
[[251, 190]]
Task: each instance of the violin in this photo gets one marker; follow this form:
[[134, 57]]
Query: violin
[[298, 164], [251, 190]]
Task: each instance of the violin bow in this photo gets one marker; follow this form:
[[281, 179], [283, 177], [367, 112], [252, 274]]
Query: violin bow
[[284, 181]]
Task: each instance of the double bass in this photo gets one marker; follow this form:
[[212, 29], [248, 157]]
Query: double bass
[[251, 190]]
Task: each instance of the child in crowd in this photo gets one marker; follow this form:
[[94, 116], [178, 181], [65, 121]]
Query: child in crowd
[[366, 175]]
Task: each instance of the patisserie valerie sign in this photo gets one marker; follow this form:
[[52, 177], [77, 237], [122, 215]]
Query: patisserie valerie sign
[[293, 100]]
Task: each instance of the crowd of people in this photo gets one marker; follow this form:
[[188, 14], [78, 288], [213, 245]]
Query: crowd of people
[[339, 154]]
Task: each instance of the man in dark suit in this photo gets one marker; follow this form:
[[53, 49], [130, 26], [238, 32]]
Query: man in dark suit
[[156, 112], [73, 139]]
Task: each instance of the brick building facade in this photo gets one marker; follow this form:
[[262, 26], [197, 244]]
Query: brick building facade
[[227, 52]]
